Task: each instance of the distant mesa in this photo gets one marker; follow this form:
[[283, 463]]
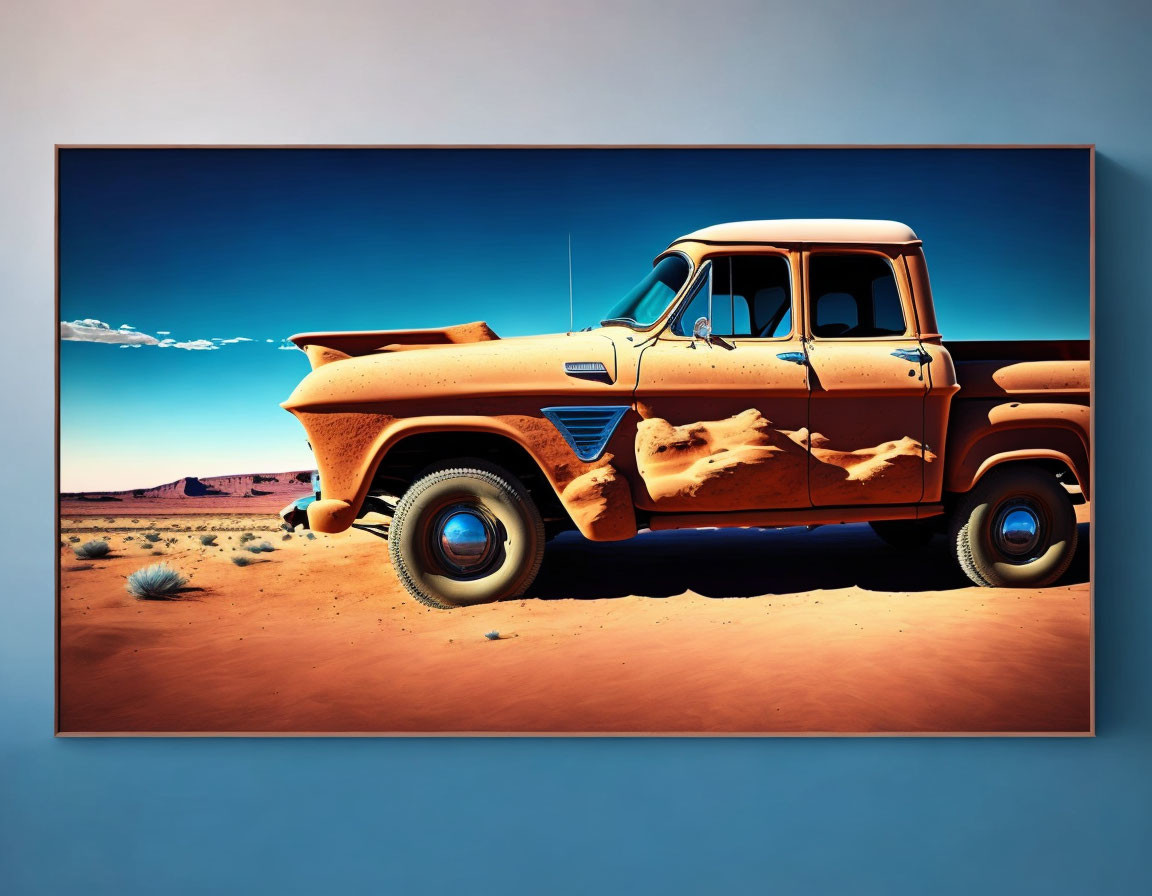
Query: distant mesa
[[210, 488]]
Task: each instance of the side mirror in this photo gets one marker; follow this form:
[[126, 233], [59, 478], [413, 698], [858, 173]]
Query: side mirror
[[702, 329]]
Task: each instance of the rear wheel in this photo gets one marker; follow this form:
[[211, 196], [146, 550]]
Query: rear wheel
[[1015, 529], [466, 534]]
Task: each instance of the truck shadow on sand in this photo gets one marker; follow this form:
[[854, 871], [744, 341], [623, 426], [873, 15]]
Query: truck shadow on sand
[[751, 562]]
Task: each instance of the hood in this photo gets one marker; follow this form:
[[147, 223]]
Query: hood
[[356, 369]]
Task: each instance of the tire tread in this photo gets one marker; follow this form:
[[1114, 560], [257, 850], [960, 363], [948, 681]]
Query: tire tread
[[478, 469], [961, 535]]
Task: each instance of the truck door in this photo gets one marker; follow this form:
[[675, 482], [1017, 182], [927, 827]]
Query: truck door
[[724, 417], [868, 378]]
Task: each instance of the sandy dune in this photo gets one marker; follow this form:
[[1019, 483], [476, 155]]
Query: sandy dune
[[739, 631]]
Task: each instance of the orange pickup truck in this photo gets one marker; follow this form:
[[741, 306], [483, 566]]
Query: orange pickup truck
[[763, 374]]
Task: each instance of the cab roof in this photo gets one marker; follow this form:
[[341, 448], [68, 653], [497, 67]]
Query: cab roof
[[804, 230]]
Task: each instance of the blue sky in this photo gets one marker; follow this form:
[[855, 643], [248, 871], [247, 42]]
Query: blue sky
[[193, 246]]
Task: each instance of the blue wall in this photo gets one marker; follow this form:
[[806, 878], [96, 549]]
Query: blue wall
[[570, 815]]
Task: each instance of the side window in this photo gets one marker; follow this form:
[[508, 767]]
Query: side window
[[751, 297], [854, 296]]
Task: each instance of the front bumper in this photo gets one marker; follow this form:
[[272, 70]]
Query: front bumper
[[296, 513]]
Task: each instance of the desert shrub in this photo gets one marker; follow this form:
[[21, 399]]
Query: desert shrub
[[90, 550], [208, 540], [169, 541], [246, 537], [129, 538], [311, 536], [241, 560], [287, 536], [156, 582], [152, 536], [261, 548], [74, 539]]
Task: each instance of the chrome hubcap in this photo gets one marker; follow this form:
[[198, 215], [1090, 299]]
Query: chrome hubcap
[[1017, 530], [465, 539]]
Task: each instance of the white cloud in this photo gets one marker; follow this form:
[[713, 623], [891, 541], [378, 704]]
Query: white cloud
[[287, 347], [197, 345], [92, 330], [193, 345], [269, 340], [126, 336], [163, 332]]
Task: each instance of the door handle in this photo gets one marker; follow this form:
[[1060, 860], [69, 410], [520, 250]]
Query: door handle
[[794, 357], [913, 355]]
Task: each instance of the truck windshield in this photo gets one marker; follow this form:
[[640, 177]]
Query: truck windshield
[[648, 299]]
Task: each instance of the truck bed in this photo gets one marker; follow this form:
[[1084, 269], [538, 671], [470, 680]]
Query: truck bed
[[1020, 350], [1044, 370]]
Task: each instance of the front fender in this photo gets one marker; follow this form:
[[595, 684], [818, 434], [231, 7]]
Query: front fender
[[349, 447]]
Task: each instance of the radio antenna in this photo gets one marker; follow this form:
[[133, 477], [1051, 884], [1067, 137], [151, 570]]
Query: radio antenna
[[571, 312]]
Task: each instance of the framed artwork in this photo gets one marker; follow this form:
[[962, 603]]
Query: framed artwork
[[575, 440]]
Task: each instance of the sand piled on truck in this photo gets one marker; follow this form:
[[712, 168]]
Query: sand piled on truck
[[745, 461]]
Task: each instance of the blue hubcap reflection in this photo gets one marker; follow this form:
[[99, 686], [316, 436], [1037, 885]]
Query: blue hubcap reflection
[[465, 539], [1018, 530]]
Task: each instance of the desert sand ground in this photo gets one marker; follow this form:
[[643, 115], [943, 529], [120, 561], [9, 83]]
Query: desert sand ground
[[738, 631]]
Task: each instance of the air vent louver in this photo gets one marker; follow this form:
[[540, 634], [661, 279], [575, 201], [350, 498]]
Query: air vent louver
[[586, 429]]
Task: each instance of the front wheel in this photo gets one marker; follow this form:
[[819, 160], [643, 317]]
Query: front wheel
[[1015, 529], [466, 534]]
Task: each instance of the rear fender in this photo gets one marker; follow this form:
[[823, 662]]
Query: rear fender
[[983, 437]]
